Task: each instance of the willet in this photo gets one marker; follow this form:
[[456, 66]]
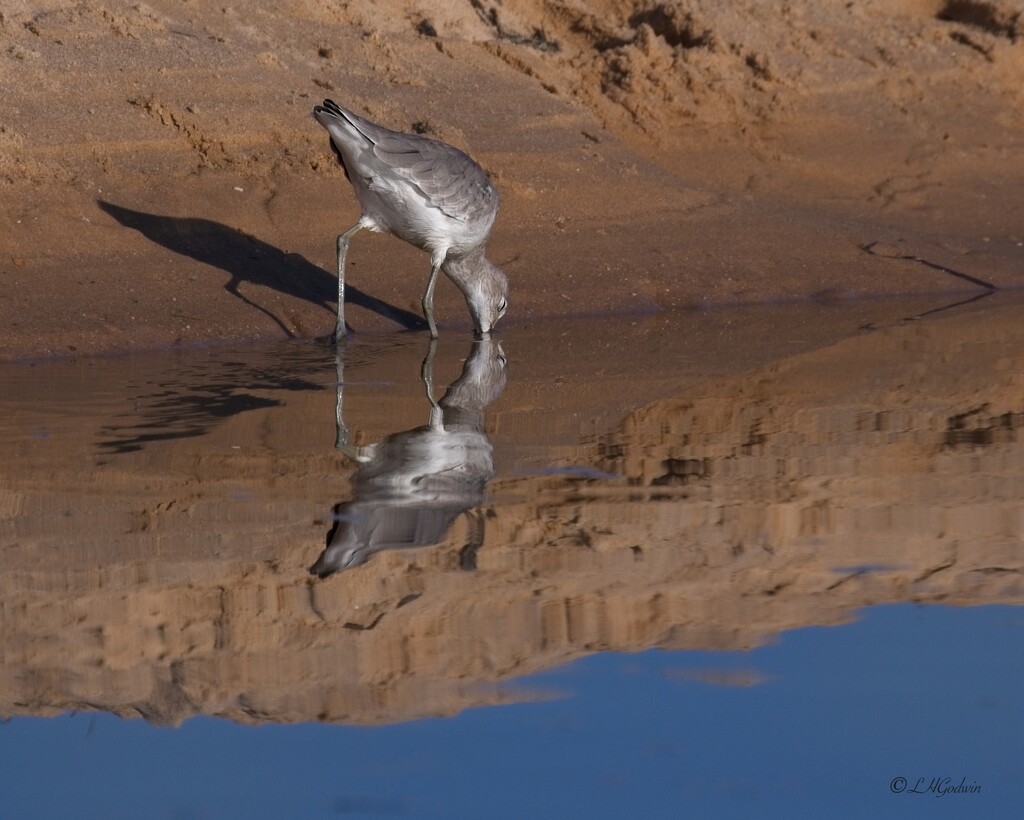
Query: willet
[[410, 487], [431, 195]]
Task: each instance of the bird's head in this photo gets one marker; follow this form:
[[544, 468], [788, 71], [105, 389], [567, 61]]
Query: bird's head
[[487, 297]]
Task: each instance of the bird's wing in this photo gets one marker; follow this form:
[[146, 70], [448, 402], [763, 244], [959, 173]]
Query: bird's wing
[[449, 179]]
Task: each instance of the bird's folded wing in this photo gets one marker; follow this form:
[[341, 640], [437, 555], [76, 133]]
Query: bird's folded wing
[[449, 179]]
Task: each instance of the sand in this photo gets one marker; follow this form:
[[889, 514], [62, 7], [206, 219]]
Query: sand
[[162, 182]]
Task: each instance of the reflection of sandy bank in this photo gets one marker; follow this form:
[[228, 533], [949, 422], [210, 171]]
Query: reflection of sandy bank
[[887, 467]]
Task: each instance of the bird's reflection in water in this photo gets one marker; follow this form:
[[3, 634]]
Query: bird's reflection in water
[[410, 487]]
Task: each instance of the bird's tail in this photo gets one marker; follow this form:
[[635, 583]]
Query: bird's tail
[[345, 128], [329, 109]]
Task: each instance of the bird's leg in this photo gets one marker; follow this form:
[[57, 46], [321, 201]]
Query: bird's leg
[[339, 327], [428, 301], [341, 443], [427, 375], [340, 428]]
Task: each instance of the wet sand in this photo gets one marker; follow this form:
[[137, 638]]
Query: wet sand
[[163, 183]]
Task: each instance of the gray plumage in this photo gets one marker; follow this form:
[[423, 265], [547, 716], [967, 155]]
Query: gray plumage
[[410, 487], [427, 193]]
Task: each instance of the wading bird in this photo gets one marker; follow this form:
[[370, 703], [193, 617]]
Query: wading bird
[[427, 193]]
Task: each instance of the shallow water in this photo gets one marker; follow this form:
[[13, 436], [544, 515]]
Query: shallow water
[[753, 562]]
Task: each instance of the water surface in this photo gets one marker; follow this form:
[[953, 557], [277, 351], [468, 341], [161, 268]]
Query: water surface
[[736, 563]]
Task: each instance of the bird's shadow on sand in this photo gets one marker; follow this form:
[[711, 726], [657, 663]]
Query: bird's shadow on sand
[[248, 259]]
